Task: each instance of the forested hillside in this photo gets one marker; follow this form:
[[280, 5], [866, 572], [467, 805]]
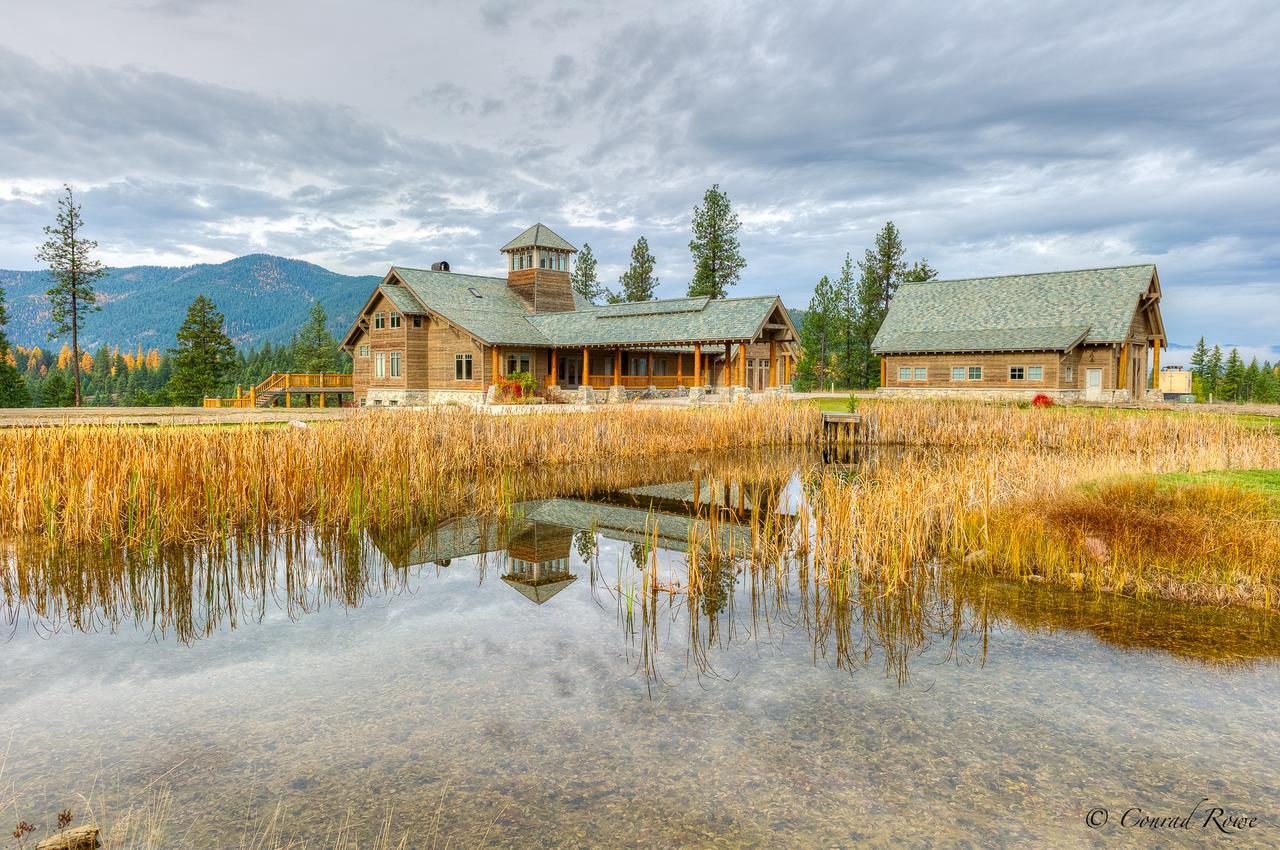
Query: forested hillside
[[265, 299]]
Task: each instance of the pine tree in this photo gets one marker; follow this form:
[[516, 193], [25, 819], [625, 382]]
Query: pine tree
[[883, 270], [204, 355], [1213, 371], [638, 282], [819, 334], [314, 347], [583, 278], [1199, 358], [1229, 385], [1250, 381], [1267, 388], [717, 253], [74, 272], [13, 388]]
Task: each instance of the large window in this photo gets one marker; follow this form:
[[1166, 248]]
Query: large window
[[379, 321], [395, 320], [462, 367], [1017, 373], [380, 365], [1035, 373], [957, 373], [922, 373], [975, 373], [904, 373], [395, 364], [518, 363]]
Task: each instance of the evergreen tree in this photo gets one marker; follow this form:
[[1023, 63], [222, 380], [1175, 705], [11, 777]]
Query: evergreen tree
[[314, 347], [717, 254], [883, 270], [1250, 381], [1213, 371], [204, 356], [13, 388], [638, 282], [1232, 380], [1267, 388], [819, 335], [56, 391], [583, 278], [1199, 358], [74, 272]]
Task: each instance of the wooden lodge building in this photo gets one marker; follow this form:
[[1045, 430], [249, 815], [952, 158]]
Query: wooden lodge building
[[1077, 335], [436, 336]]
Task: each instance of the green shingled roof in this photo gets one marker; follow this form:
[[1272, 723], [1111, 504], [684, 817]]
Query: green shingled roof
[[487, 308], [717, 320], [1033, 312], [539, 236]]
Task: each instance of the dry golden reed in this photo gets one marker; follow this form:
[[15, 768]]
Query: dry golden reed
[[88, 483]]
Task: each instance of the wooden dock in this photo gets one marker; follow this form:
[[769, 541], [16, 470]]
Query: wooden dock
[[283, 386], [843, 433]]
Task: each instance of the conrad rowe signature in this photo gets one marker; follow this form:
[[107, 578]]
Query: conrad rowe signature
[[1203, 816]]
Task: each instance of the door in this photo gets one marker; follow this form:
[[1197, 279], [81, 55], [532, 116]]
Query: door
[[570, 369], [1092, 384]]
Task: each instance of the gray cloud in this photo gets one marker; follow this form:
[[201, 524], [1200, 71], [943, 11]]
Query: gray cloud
[[1000, 137]]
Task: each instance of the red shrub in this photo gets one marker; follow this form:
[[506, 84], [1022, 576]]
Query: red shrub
[[1042, 400]]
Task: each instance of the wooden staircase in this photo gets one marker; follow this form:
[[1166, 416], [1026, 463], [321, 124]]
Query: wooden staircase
[[285, 385]]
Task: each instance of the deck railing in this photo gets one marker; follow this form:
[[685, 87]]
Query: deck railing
[[640, 381], [286, 382]]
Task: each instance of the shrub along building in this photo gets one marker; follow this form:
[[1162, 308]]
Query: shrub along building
[[1070, 335], [436, 336]]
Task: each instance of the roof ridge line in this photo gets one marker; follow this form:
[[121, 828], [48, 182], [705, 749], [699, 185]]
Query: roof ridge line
[[1027, 274]]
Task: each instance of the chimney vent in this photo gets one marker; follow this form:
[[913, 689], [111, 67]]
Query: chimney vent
[[440, 266]]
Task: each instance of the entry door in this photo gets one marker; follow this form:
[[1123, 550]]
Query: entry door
[[570, 372], [1092, 384]]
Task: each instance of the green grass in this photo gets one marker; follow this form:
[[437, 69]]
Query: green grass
[[1266, 481], [829, 405]]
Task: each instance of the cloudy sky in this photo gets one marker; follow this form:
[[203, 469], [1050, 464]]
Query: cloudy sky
[[355, 135]]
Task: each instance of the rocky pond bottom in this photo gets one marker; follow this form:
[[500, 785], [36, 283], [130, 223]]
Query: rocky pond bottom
[[496, 683]]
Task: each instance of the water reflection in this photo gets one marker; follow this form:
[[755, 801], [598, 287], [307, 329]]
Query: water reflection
[[714, 545]]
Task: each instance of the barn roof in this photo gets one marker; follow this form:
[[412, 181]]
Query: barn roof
[[1032, 312]]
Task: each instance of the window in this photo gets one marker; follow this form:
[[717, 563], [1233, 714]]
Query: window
[[1035, 373], [395, 364], [462, 367], [957, 373], [904, 373], [380, 365], [417, 321], [559, 262], [518, 363], [975, 373], [922, 373], [1017, 373], [395, 320], [1068, 373], [380, 321], [364, 351], [513, 262]]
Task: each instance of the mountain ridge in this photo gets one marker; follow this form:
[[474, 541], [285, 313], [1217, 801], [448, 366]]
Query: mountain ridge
[[263, 296]]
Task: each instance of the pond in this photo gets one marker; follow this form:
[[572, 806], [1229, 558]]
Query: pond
[[548, 679]]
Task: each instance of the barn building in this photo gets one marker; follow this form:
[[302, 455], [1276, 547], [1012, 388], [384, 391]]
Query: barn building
[[432, 336], [1093, 335]]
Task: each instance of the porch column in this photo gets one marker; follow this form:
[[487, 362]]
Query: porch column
[[648, 365], [773, 363], [742, 362], [493, 379], [680, 369], [697, 364], [586, 366], [555, 374], [617, 366], [1155, 365], [884, 370], [1122, 376], [728, 365]]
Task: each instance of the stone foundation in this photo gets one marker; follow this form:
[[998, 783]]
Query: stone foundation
[[381, 397]]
